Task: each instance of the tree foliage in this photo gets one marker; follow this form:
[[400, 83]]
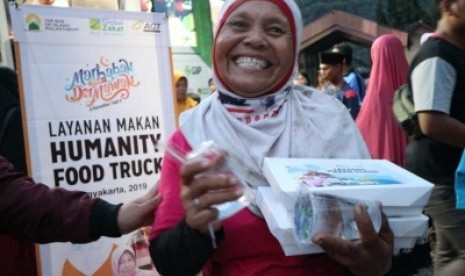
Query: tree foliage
[[393, 13], [379, 13], [401, 13]]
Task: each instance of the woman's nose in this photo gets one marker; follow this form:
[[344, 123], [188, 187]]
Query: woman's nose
[[256, 38]]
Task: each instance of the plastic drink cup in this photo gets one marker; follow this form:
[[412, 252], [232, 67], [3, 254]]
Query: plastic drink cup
[[324, 213]]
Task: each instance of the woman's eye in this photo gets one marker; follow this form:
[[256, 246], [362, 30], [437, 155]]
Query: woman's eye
[[276, 30], [237, 24]]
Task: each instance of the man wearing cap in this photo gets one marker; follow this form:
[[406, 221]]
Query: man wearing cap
[[352, 77], [331, 70]]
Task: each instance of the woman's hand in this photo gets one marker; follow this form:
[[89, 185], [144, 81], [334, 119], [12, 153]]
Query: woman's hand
[[204, 187], [371, 255]]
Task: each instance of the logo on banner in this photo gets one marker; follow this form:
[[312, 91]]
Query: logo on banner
[[106, 26], [95, 24], [104, 84], [146, 27], [33, 22], [152, 28]]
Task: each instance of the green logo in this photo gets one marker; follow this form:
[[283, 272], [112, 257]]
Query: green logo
[[33, 22], [95, 24], [138, 25]]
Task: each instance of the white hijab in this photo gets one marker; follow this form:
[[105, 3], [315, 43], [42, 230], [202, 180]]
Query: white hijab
[[116, 256], [306, 123]]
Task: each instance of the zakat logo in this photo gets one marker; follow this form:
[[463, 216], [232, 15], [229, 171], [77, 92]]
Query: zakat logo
[[33, 22], [107, 25], [95, 24], [104, 84]]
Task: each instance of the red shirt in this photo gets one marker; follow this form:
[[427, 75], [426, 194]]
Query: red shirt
[[248, 247]]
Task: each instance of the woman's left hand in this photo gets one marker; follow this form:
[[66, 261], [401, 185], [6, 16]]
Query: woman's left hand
[[371, 255]]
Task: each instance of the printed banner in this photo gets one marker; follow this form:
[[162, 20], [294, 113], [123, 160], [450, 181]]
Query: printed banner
[[96, 90]]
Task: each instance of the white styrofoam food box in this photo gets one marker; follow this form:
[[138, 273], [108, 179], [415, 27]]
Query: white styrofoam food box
[[300, 249], [406, 229], [399, 191]]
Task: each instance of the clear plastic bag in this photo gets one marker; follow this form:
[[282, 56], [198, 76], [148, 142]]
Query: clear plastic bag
[[210, 150], [323, 213]]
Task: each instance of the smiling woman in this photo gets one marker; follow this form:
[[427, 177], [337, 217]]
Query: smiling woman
[[252, 68], [256, 112], [124, 263]]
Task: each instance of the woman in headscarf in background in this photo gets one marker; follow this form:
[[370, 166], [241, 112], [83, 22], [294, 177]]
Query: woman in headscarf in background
[[256, 112], [183, 102], [381, 132], [123, 263]]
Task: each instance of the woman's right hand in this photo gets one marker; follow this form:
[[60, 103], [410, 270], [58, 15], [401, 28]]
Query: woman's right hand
[[202, 188], [371, 255]]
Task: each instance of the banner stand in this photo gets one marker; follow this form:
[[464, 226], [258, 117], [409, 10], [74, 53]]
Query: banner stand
[[96, 99]]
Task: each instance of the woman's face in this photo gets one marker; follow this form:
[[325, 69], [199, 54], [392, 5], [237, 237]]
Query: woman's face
[[127, 264], [181, 89], [254, 49]]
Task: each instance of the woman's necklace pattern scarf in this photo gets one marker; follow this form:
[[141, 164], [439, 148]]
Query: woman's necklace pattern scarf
[[253, 112]]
